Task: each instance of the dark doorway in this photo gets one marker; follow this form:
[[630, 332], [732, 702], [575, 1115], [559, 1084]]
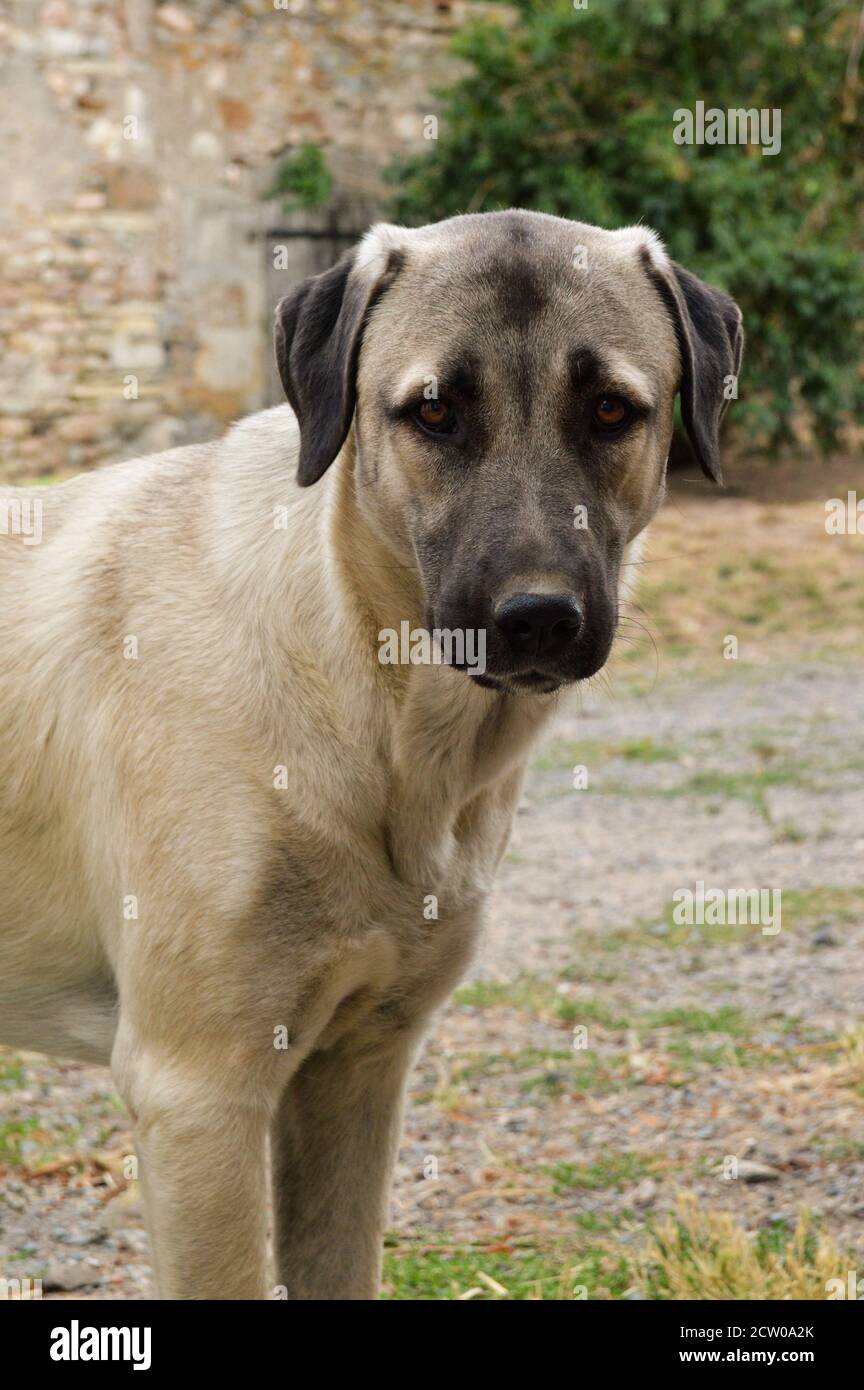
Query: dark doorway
[[302, 244]]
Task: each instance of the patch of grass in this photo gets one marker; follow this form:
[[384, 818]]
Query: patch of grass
[[570, 1079], [561, 753], [798, 583], [723, 1020], [591, 1011], [13, 1134], [644, 934], [421, 1271], [539, 997], [693, 1254], [550, 1073], [645, 750], [751, 787], [804, 907], [838, 1150], [599, 974], [791, 834], [709, 1037], [801, 909], [715, 785], [727, 1054], [43, 1146], [12, 1073], [524, 993], [706, 1255], [612, 1170], [484, 1064]]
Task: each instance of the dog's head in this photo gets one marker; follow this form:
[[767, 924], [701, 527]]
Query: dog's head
[[511, 379]]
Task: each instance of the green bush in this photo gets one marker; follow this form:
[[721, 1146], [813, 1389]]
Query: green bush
[[571, 111], [302, 180]]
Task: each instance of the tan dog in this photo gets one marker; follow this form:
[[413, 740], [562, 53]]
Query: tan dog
[[243, 858]]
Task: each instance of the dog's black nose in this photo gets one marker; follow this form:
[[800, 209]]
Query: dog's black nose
[[539, 625]]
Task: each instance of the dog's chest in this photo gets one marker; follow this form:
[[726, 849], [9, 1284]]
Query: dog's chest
[[402, 961], [364, 943], [384, 874]]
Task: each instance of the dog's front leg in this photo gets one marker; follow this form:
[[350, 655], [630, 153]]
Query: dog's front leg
[[334, 1142], [201, 1148]]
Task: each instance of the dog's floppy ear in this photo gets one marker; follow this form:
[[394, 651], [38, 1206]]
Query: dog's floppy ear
[[711, 342], [318, 333]]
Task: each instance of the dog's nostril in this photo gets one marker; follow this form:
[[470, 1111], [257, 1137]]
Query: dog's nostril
[[566, 627], [539, 624]]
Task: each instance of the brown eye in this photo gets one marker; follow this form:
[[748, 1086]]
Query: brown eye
[[610, 412], [437, 417]]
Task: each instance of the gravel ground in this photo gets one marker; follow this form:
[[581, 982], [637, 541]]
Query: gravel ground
[[701, 1043]]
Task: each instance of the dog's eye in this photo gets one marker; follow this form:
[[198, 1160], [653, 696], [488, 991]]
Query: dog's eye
[[436, 417], [611, 412]]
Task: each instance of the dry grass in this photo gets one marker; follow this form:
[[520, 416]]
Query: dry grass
[[763, 571], [707, 1255]]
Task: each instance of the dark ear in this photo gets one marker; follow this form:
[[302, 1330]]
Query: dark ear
[[711, 342], [318, 332]]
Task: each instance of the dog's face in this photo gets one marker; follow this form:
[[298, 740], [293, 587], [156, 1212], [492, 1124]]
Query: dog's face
[[511, 378]]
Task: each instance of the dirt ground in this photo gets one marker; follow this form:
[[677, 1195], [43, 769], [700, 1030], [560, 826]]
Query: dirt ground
[[602, 1058]]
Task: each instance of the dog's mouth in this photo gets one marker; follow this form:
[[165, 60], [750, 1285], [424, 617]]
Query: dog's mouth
[[520, 682]]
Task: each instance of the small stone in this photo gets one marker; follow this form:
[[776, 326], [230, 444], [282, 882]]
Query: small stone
[[824, 937], [644, 1193], [176, 18], [750, 1171], [87, 1238], [66, 1277]]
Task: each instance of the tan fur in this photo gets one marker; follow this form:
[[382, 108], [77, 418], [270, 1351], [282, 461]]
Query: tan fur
[[258, 908]]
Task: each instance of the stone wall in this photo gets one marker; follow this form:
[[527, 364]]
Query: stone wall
[[138, 140]]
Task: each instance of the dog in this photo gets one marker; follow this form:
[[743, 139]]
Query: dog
[[245, 858]]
